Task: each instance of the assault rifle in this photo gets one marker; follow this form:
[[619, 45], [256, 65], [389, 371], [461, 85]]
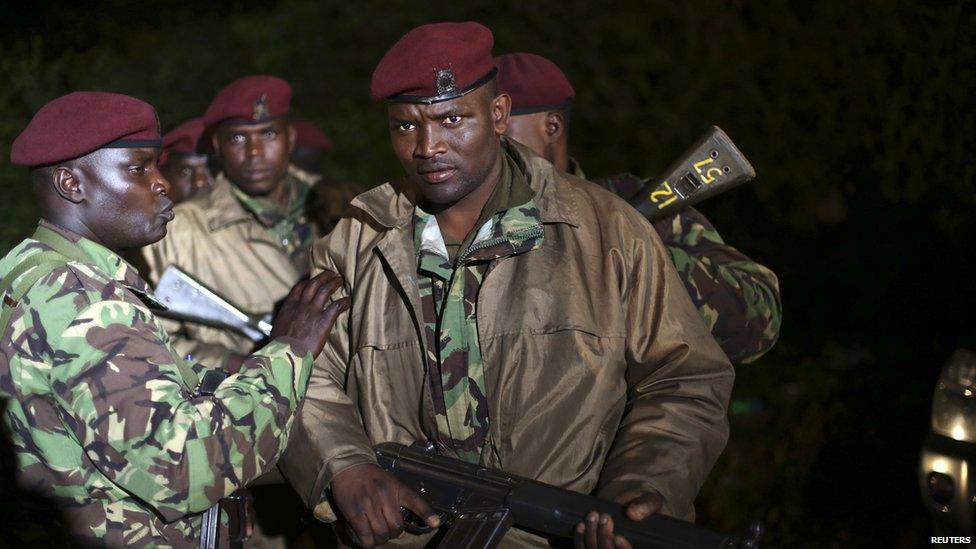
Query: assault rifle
[[711, 166], [188, 299], [481, 505]]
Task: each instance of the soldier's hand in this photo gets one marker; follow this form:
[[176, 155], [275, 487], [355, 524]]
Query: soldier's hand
[[307, 315], [596, 530], [370, 499]]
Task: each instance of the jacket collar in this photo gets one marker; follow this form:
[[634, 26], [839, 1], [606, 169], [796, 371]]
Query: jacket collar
[[392, 204]]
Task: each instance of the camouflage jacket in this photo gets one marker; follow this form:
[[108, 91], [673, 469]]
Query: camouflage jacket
[[101, 408], [249, 255], [736, 297]]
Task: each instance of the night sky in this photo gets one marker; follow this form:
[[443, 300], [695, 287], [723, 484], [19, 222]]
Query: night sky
[[853, 114]]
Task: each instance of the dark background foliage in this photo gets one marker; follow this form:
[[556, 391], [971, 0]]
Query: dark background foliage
[[853, 114]]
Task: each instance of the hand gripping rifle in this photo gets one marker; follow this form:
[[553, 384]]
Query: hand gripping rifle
[[481, 504], [711, 166]]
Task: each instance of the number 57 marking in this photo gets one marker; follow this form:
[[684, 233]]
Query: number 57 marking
[[710, 174]]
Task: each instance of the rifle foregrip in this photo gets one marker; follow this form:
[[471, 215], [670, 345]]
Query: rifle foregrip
[[552, 510], [188, 299]]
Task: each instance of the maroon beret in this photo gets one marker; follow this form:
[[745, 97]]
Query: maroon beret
[[435, 62], [310, 136], [535, 83], [249, 100], [184, 138], [76, 124]]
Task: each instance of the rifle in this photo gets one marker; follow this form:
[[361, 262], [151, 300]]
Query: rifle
[[188, 299], [711, 166], [481, 505]]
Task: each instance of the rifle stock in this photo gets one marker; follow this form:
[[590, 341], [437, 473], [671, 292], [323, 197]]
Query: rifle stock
[[711, 166], [188, 299]]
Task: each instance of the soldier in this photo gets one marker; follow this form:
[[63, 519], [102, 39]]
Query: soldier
[[184, 167], [331, 197], [517, 316], [106, 417], [248, 238], [736, 297]]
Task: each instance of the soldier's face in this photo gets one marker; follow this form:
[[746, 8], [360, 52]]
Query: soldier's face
[[448, 149], [123, 198], [255, 156], [188, 175]]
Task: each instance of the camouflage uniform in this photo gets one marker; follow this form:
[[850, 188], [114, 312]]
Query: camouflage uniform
[[100, 405], [736, 297], [251, 251], [449, 284]]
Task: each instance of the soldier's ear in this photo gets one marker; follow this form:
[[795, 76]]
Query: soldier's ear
[[501, 110], [68, 184], [555, 125]]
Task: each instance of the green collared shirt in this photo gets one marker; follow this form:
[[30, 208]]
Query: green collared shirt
[[511, 190]]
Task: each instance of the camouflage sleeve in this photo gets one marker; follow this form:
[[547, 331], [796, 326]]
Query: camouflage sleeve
[[736, 297], [214, 355], [118, 381]]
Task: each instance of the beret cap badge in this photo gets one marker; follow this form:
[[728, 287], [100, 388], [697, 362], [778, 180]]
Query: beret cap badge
[[259, 109], [249, 100], [444, 80]]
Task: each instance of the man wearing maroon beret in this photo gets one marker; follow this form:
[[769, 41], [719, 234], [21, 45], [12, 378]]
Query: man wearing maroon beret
[[248, 237], [516, 316], [736, 297], [131, 440], [183, 165]]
